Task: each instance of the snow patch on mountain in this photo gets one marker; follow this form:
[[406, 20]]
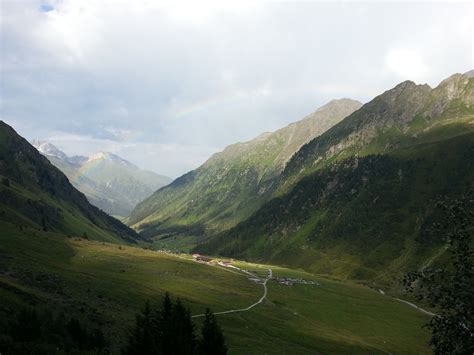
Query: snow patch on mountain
[[47, 148]]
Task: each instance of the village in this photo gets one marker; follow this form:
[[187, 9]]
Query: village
[[228, 263]]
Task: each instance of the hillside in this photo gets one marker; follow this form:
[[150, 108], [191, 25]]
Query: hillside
[[359, 200], [36, 194], [232, 184], [390, 121], [108, 181], [104, 286]]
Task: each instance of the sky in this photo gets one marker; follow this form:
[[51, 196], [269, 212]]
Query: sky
[[165, 84]]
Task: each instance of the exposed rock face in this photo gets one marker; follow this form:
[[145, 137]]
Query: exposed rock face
[[386, 118]]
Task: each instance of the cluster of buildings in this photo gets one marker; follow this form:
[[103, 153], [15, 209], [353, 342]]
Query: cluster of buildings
[[290, 281], [209, 260]]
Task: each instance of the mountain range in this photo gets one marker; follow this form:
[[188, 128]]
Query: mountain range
[[361, 200], [350, 190], [109, 182], [34, 194], [232, 184]]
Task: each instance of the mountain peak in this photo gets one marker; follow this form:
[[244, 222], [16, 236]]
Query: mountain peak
[[103, 155], [469, 74], [343, 102], [47, 148], [456, 87]]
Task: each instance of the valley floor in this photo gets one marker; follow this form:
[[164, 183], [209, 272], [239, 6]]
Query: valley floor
[[107, 284]]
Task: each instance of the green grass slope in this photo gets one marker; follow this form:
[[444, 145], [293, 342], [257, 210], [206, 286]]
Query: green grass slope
[[364, 218], [34, 193], [233, 183], [105, 284], [357, 201]]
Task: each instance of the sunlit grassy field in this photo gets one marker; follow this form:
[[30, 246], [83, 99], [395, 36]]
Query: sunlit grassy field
[[107, 284]]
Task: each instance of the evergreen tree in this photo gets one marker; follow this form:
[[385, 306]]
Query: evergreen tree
[[144, 337], [164, 325], [33, 332], [182, 329], [450, 289], [212, 341], [169, 330]]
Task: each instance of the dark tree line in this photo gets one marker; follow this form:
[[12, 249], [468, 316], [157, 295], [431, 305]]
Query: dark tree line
[[33, 332], [169, 329], [450, 289]]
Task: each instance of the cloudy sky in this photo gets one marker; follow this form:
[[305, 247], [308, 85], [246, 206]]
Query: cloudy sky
[[166, 84]]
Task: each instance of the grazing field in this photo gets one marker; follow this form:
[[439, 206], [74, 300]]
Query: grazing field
[[106, 284]]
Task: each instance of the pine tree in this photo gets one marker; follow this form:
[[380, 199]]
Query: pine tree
[[449, 289], [182, 328], [144, 337], [164, 325], [212, 341]]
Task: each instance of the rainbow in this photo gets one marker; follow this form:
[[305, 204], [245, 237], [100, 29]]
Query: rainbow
[[207, 103], [184, 111], [84, 170]]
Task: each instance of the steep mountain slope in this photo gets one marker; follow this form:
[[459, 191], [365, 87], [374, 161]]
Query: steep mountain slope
[[34, 193], [233, 183], [108, 181], [360, 200], [392, 120]]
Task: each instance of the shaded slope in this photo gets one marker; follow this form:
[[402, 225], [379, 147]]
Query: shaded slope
[[35, 193], [392, 120], [363, 218], [356, 201]]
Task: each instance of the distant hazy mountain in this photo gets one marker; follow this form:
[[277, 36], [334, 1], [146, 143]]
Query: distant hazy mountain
[[35, 194], [234, 183], [109, 182], [360, 201]]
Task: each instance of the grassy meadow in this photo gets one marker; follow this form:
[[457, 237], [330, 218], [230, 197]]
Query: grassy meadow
[[106, 284]]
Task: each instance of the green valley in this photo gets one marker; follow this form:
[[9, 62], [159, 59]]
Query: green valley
[[359, 201], [236, 177], [232, 184], [105, 284]]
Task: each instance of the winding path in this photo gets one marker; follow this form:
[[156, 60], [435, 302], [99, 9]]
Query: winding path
[[265, 291], [264, 284], [415, 306]]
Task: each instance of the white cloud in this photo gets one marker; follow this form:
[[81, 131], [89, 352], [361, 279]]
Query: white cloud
[[179, 158], [407, 63], [195, 76]]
